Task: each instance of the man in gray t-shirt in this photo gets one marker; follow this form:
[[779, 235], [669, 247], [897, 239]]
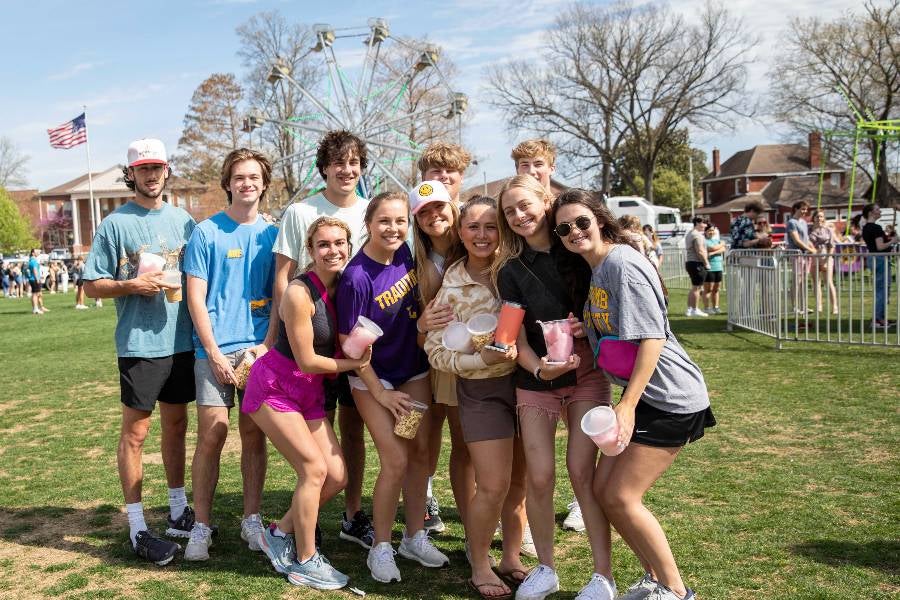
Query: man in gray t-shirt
[[697, 264]]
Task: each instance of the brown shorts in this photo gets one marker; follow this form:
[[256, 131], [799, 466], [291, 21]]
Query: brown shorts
[[487, 408], [592, 386]]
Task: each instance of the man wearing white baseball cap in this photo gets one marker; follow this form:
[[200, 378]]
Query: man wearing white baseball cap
[[128, 254]]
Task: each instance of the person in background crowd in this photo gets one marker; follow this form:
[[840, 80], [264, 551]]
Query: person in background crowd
[[878, 243], [656, 254], [78, 275], [4, 273], [486, 403], [696, 264], [286, 399], [153, 338], [824, 240], [538, 159], [715, 251], [664, 405], [797, 238], [340, 159], [379, 283], [64, 277], [16, 281], [53, 276], [743, 229], [36, 283]]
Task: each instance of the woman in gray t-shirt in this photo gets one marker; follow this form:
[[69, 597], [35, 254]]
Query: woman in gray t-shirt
[[665, 404]]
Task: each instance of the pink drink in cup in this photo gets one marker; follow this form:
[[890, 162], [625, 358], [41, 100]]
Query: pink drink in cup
[[363, 335], [559, 340], [149, 262], [601, 426]]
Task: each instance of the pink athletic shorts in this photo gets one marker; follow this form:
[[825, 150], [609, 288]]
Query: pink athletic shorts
[[277, 381]]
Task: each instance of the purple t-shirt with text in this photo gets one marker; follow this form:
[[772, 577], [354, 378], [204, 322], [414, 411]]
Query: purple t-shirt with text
[[386, 294]]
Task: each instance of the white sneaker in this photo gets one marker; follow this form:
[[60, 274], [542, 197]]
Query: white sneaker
[[540, 583], [81, 307], [663, 593], [700, 313], [640, 589], [689, 312], [251, 529], [199, 542], [574, 520], [598, 588], [420, 549], [381, 563], [527, 547]]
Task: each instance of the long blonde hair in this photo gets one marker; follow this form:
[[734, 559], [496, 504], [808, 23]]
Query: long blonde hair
[[511, 243], [428, 285]]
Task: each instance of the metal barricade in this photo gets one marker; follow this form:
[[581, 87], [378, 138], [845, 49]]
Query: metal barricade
[[671, 268], [847, 297]]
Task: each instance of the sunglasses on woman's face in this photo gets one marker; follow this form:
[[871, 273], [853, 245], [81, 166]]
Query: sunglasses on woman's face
[[762, 222], [583, 223]]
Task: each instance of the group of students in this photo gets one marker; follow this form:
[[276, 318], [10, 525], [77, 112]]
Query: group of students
[[413, 264]]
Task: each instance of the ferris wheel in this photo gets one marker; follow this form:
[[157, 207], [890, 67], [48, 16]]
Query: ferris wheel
[[366, 101]]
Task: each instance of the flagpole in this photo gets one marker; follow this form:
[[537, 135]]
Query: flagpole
[[95, 213]]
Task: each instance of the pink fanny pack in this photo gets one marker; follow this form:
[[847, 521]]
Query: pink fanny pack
[[616, 356]]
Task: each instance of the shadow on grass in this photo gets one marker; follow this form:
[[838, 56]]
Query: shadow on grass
[[102, 533], [883, 555]]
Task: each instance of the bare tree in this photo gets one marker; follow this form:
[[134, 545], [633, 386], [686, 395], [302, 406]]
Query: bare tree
[[266, 38], [212, 128], [621, 71], [13, 163], [858, 53]]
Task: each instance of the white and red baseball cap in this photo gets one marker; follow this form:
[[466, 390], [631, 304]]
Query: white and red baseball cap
[[425, 192], [146, 151]]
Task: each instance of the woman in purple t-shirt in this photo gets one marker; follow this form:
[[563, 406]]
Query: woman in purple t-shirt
[[379, 283]]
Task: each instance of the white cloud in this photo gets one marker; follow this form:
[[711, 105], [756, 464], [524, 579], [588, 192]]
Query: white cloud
[[73, 71]]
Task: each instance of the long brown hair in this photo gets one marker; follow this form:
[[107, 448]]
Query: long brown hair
[[428, 284]]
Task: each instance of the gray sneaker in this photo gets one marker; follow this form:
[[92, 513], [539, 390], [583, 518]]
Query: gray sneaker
[[281, 550], [199, 543], [316, 573], [420, 549], [251, 528], [640, 589], [663, 593]]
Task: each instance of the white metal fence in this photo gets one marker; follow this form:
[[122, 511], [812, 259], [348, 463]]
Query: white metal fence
[[849, 297]]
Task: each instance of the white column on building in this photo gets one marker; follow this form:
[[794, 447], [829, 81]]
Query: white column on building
[[76, 221]]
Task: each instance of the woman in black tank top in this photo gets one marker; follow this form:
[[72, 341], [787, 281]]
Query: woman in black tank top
[[285, 398]]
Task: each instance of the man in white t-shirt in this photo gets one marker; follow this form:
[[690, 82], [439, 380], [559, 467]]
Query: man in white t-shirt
[[341, 158]]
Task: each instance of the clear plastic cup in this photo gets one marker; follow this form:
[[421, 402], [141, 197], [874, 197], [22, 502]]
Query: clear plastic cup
[[481, 327], [601, 426], [456, 337], [407, 425], [172, 277], [363, 335], [559, 340]]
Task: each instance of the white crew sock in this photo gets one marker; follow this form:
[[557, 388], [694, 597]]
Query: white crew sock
[[429, 494], [278, 532], [136, 521], [177, 502]]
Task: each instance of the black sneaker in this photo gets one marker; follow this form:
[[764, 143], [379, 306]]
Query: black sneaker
[[182, 526], [359, 530], [433, 523], [155, 549]]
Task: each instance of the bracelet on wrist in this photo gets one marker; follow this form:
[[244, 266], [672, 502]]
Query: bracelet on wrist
[[537, 373]]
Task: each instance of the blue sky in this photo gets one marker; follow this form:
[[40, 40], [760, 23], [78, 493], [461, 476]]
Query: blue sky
[[135, 65]]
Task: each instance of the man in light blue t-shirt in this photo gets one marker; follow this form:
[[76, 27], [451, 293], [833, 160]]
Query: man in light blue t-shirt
[[35, 282], [153, 337], [230, 269], [797, 238]]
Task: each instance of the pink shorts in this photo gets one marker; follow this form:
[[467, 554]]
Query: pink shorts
[[592, 386], [275, 380]]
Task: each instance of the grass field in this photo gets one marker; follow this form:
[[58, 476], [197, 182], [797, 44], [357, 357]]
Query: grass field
[[794, 494]]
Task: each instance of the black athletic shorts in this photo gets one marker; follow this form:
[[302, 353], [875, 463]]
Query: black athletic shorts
[[36, 287], [337, 391], [713, 277], [697, 272], [169, 379], [655, 427]]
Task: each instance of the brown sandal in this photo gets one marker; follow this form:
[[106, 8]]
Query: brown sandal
[[478, 589], [513, 577]]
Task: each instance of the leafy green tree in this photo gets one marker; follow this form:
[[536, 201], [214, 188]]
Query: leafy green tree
[[15, 232]]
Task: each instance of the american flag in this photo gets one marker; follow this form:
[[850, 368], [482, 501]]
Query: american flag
[[69, 134]]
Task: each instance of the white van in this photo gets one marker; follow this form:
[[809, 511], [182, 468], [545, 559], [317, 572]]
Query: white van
[[666, 221]]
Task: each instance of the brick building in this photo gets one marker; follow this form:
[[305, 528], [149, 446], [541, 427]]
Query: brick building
[[776, 176], [61, 215]]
